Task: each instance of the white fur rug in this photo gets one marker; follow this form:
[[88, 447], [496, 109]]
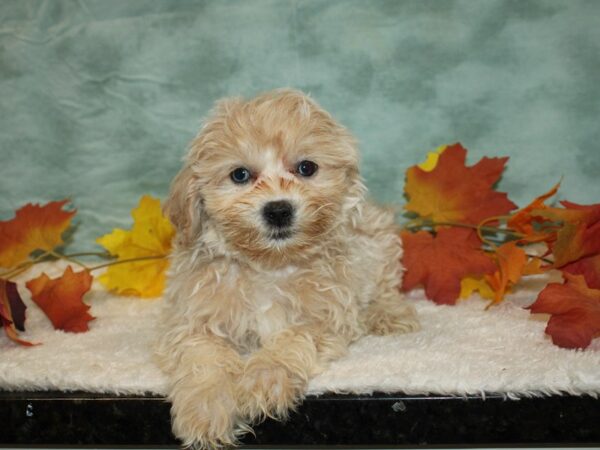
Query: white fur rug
[[460, 350]]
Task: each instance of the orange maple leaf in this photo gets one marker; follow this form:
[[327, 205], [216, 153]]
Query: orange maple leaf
[[511, 260], [579, 232], [61, 299], [575, 310], [440, 262], [34, 227], [512, 264], [511, 267], [12, 311], [524, 222], [452, 192]]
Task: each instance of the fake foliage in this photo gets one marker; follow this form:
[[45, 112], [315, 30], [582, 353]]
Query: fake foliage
[[137, 262], [463, 236]]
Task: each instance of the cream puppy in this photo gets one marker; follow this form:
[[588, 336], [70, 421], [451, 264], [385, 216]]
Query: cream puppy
[[279, 264]]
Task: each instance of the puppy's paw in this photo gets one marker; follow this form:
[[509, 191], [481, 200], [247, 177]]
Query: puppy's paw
[[268, 390], [205, 415], [394, 318]]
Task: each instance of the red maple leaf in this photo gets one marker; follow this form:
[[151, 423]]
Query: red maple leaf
[[61, 299], [589, 267], [440, 262], [575, 310], [578, 234]]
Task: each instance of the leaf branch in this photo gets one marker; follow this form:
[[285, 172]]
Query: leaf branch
[[419, 224], [125, 261], [56, 256]]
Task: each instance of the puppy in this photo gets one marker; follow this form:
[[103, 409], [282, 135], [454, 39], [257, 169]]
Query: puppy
[[279, 264]]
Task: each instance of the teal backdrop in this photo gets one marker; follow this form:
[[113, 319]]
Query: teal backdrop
[[99, 99]]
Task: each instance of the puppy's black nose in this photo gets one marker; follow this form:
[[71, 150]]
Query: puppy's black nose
[[278, 214]]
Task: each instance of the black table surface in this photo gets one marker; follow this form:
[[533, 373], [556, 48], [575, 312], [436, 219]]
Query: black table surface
[[80, 419]]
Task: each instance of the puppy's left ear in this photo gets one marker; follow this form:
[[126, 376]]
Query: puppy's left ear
[[183, 206], [355, 199]]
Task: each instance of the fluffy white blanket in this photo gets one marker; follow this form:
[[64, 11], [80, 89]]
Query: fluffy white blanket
[[461, 350]]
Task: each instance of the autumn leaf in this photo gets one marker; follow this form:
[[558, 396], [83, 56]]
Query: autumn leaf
[[452, 192], [525, 223], [13, 303], [34, 227], [589, 267], [512, 265], [440, 262], [61, 299], [469, 285], [12, 311], [432, 159], [149, 241], [579, 233], [574, 309], [511, 261]]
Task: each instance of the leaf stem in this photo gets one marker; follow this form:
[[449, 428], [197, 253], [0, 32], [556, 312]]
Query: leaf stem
[[24, 266], [98, 254], [425, 224], [68, 258], [15, 272], [124, 261], [541, 258]]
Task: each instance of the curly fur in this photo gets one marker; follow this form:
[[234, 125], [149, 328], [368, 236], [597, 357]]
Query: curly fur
[[251, 319]]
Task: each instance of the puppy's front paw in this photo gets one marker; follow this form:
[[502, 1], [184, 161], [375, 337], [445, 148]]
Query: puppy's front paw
[[395, 318], [205, 414], [268, 390]]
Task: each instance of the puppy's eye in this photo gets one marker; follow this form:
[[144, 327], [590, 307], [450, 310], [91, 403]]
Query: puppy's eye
[[307, 168], [240, 175]]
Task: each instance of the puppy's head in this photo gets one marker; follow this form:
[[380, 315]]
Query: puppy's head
[[269, 179]]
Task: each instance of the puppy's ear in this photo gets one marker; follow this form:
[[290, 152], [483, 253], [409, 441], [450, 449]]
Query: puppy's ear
[[355, 199], [183, 207]]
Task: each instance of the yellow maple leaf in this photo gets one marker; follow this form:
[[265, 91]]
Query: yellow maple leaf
[[149, 241], [469, 285]]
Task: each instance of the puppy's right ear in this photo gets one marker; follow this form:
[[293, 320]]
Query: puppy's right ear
[[182, 206]]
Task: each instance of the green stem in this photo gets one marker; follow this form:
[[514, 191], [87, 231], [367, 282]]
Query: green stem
[[426, 224], [15, 272], [546, 260], [24, 266], [68, 258], [98, 254], [124, 261]]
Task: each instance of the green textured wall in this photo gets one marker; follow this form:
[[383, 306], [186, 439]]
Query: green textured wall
[[98, 99]]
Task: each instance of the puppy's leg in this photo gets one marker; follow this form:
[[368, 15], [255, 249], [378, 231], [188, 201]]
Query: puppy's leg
[[275, 377], [388, 312], [203, 392]]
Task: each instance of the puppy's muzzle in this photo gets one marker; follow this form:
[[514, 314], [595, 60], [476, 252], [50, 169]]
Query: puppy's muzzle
[[278, 215]]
